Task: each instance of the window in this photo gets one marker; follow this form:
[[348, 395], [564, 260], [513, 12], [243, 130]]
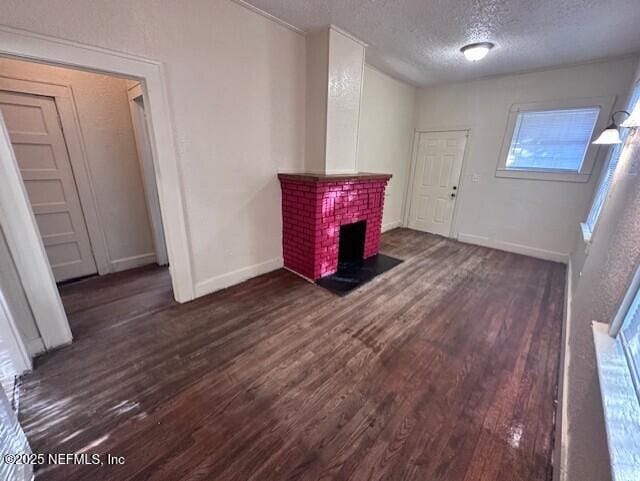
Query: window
[[552, 140], [610, 168], [617, 349], [630, 339]]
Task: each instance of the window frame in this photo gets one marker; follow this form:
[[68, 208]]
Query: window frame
[[605, 104], [589, 230], [619, 386], [623, 316]]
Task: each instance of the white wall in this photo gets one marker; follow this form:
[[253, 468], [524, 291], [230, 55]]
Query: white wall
[[527, 216], [235, 83], [105, 124], [601, 278], [387, 120]]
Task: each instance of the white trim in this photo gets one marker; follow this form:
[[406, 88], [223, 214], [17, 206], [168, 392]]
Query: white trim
[[231, 278], [145, 160], [544, 175], [408, 191], [605, 104], [25, 245], [133, 261], [268, 16], [561, 444], [35, 347], [16, 348], [391, 225], [586, 233], [514, 247], [24, 44]]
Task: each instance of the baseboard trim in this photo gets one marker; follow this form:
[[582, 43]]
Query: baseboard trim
[[235, 277], [515, 248], [133, 261], [561, 437], [35, 347], [391, 225]]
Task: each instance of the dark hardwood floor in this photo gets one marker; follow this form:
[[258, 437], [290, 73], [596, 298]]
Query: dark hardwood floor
[[444, 368]]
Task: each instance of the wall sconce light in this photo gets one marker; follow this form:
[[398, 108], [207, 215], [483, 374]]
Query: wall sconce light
[[634, 119], [611, 135]]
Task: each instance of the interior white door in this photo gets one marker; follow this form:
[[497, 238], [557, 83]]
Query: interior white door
[[435, 181], [41, 153]]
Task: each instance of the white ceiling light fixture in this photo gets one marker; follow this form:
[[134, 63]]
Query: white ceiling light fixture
[[476, 51]]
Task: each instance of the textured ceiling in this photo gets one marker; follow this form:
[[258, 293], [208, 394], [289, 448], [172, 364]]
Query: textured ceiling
[[419, 40]]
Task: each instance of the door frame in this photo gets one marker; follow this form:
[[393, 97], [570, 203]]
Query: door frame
[[18, 351], [145, 159], [15, 213], [66, 107], [453, 229]]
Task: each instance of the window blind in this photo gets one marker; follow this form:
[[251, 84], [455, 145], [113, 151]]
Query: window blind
[[607, 175], [552, 139]]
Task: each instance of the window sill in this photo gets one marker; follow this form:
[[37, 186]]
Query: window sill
[[620, 404], [586, 232], [542, 175]]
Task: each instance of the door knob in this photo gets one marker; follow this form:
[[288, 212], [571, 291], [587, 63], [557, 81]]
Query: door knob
[[454, 187], [453, 195]]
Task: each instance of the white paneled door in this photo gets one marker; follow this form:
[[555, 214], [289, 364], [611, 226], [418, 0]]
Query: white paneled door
[[435, 181], [41, 153]]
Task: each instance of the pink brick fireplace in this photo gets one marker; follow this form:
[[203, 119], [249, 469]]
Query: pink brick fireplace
[[314, 207]]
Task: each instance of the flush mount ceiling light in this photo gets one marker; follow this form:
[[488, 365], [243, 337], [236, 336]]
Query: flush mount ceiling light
[[611, 135], [476, 51]]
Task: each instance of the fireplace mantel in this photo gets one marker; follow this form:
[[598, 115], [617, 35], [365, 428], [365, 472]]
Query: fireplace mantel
[[310, 177]]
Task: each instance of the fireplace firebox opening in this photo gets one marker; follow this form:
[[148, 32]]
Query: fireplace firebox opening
[[351, 243]]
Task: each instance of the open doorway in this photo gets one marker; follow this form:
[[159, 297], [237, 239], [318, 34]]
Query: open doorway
[[82, 149], [17, 219], [72, 133]]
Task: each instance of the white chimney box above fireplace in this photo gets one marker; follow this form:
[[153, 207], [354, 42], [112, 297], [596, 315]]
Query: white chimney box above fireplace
[[335, 65]]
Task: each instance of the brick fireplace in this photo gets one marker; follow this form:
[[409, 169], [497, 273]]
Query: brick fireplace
[[327, 217]]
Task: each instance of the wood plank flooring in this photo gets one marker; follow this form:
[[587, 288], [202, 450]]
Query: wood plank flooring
[[444, 368]]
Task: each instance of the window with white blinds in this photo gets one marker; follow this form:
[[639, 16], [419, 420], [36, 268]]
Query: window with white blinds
[[552, 140], [609, 169], [630, 338]]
